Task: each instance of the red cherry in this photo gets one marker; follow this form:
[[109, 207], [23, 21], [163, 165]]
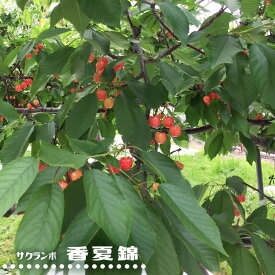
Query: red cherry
[[160, 115], [126, 164], [101, 94], [207, 100], [200, 85], [40, 46], [236, 211], [168, 34], [154, 121], [100, 65], [28, 56], [75, 175], [213, 95], [119, 66], [160, 137], [168, 121], [63, 184], [1, 118], [245, 52], [28, 81], [18, 88], [72, 90], [105, 60], [175, 131], [109, 103], [97, 78], [180, 165], [91, 58], [29, 106], [259, 117], [241, 198], [35, 102], [23, 85], [113, 169], [36, 51]]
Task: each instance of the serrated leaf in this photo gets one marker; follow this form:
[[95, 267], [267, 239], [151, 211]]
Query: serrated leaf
[[82, 116], [131, 121], [250, 7], [267, 226], [107, 206], [260, 212], [142, 232], [15, 179], [41, 226], [265, 254], [222, 49], [8, 111], [16, 144], [55, 156], [80, 232], [194, 217]]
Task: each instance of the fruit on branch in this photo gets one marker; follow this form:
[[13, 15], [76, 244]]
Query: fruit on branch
[[175, 131], [1, 118], [63, 184], [77, 174], [91, 58], [179, 164], [28, 81], [119, 66], [35, 102], [214, 96], [245, 52], [200, 85], [126, 163], [160, 115], [155, 186], [113, 170], [97, 78], [29, 106], [40, 46], [28, 56], [259, 117], [207, 100], [101, 94], [168, 121], [168, 34], [236, 211], [41, 167], [36, 51], [109, 103], [160, 137], [105, 60], [72, 90], [18, 88], [23, 85], [241, 198], [154, 121]]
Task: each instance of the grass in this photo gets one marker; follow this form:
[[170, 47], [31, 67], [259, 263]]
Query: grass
[[198, 169]]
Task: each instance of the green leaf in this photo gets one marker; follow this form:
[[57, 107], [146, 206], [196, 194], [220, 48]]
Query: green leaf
[[171, 78], [142, 232], [214, 144], [250, 7], [266, 226], [117, 39], [60, 117], [51, 33], [79, 233], [164, 260], [243, 262], [262, 62], [164, 166], [15, 179], [56, 15], [151, 96], [26, 48], [107, 206], [54, 62], [265, 254], [72, 11], [131, 121], [8, 111], [235, 183], [107, 129], [41, 226], [233, 5], [4, 69], [16, 144], [82, 116], [21, 3], [200, 251], [98, 40], [55, 156], [251, 154], [199, 191], [184, 205], [222, 49], [260, 212], [176, 19], [222, 204], [102, 11]]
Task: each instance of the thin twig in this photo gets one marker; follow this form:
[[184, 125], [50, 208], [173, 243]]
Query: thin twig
[[213, 19]]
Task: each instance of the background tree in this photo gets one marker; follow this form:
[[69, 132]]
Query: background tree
[[74, 74]]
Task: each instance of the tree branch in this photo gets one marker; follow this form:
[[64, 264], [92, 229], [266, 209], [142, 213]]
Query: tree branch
[[213, 19]]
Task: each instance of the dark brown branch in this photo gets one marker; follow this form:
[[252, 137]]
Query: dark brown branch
[[260, 192], [198, 130], [262, 122], [165, 26], [213, 19]]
